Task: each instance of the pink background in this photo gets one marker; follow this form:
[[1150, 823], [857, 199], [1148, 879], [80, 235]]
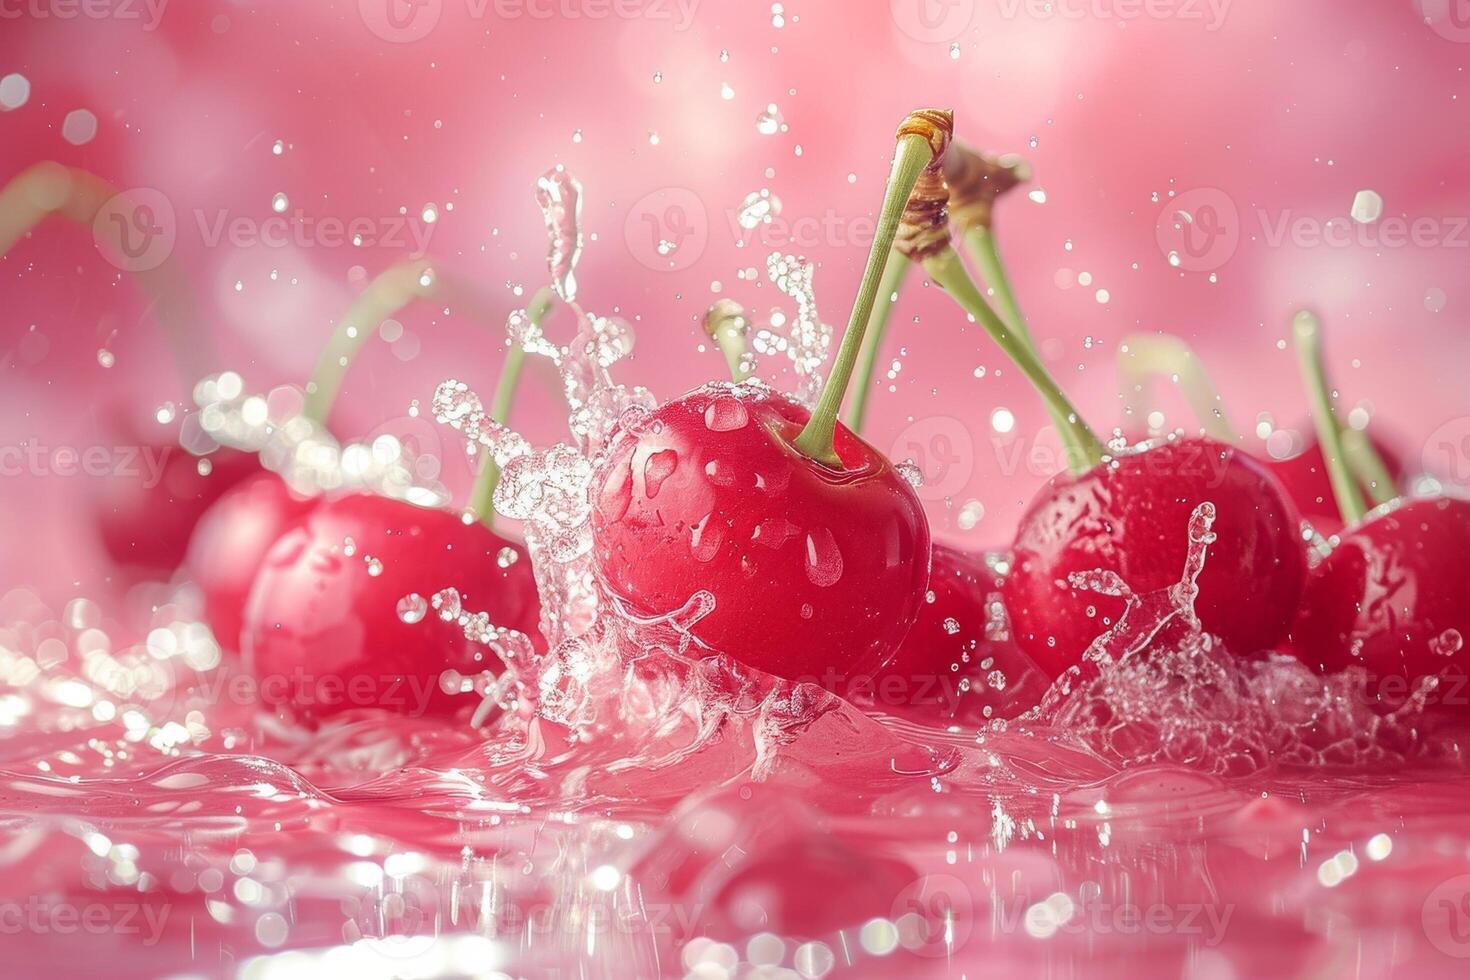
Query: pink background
[[1277, 111]]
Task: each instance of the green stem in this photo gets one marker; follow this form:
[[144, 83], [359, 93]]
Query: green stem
[[914, 154], [725, 323], [1368, 466], [389, 292], [1142, 357], [894, 274], [1084, 449], [1307, 332], [482, 495], [980, 240]]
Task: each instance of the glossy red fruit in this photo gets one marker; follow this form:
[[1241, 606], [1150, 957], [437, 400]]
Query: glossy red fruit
[[1392, 597], [1131, 516], [230, 542], [817, 573], [340, 617], [145, 520], [1305, 480], [958, 663]]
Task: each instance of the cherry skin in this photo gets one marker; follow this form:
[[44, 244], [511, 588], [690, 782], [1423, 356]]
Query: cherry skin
[[1131, 516], [324, 631], [147, 524], [1392, 598], [817, 573], [230, 543], [1305, 480], [957, 665]]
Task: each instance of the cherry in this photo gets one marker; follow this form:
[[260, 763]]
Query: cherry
[[958, 663], [1128, 514], [813, 545], [1390, 596], [1131, 516], [339, 616], [1303, 476], [231, 540], [813, 567], [146, 524]]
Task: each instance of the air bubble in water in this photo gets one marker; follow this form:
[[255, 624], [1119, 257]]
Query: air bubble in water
[[758, 208], [769, 122], [412, 608], [507, 557], [280, 202], [1448, 643]]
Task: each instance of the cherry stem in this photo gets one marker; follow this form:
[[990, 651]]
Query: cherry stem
[[1368, 466], [916, 150], [390, 291], [1084, 449], [1307, 332], [79, 195], [482, 495], [727, 326], [894, 274], [980, 239], [1143, 357]]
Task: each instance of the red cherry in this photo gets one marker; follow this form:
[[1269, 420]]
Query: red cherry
[[1391, 597], [816, 571], [1131, 516], [230, 542], [339, 615], [146, 521], [957, 664], [1305, 480]]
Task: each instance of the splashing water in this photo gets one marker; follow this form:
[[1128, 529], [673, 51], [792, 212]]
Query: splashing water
[[810, 340], [560, 197]]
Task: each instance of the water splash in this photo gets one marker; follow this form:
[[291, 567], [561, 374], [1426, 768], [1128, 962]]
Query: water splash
[[810, 340], [560, 196]]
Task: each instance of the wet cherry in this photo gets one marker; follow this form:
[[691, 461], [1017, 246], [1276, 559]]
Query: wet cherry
[[339, 616], [230, 542], [959, 663], [1131, 516], [1143, 358], [813, 545], [815, 569], [1390, 598]]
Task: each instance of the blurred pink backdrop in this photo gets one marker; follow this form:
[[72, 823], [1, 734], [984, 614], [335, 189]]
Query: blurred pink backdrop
[[1271, 116]]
